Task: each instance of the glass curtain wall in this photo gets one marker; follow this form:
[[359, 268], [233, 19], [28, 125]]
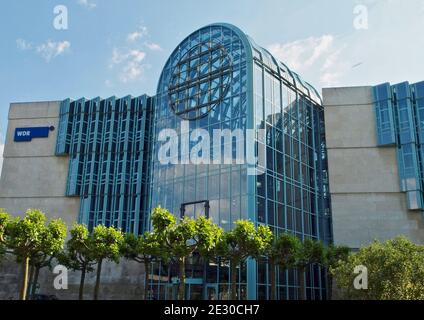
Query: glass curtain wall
[[218, 78]]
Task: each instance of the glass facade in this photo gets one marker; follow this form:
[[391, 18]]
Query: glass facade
[[217, 78], [400, 122]]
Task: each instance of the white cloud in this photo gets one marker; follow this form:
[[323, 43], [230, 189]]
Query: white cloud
[[129, 62], [322, 59], [87, 4], [23, 44], [334, 68], [300, 55], [50, 49], [153, 46], [362, 57], [138, 34]]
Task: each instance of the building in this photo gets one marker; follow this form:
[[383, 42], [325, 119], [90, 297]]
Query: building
[[375, 156], [98, 161]]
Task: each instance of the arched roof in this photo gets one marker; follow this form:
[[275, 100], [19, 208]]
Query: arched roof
[[254, 51]]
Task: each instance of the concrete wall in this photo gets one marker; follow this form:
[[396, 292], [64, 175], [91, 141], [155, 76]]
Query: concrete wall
[[364, 182], [33, 177]]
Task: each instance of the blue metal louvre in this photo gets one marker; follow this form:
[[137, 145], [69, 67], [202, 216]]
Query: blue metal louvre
[[106, 143], [65, 127], [384, 115], [408, 116]]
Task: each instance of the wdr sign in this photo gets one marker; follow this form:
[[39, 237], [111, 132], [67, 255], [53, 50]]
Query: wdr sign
[[27, 134]]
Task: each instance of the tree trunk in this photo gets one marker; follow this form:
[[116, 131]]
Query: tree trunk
[[233, 275], [271, 265], [81, 286], [35, 281], [302, 288], [24, 286], [329, 287], [30, 281], [99, 271], [146, 280], [181, 286]]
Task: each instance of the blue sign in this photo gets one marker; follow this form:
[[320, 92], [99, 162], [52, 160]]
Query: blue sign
[[27, 134]]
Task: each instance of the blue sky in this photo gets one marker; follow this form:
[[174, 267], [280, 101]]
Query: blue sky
[[118, 47]]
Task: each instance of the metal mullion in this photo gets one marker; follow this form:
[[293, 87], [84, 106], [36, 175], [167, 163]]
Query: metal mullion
[[101, 153], [96, 111], [108, 144], [87, 172], [140, 127], [134, 114], [115, 155], [124, 164]]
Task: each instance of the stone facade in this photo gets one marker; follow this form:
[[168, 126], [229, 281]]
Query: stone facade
[[367, 202], [33, 177]]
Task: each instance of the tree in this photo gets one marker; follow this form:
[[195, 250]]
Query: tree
[[180, 241], [395, 271], [52, 243], [208, 236], [78, 255], [29, 236], [105, 243], [311, 252], [282, 251], [4, 223], [142, 249], [334, 256], [176, 239], [239, 244]]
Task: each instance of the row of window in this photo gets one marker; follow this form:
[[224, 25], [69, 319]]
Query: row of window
[[399, 113]]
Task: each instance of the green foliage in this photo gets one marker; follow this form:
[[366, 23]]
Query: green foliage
[[106, 243], [129, 248], [25, 235], [286, 250], [310, 252], [31, 241], [52, 243], [334, 255], [4, 223], [78, 254], [395, 271], [238, 244], [162, 220], [244, 241], [182, 238], [264, 238], [140, 248], [208, 235], [30, 237], [281, 251]]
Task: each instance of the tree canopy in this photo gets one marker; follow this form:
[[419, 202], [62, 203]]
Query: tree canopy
[[395, 271]]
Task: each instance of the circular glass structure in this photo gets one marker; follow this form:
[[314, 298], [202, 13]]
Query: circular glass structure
[[200, 80]]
